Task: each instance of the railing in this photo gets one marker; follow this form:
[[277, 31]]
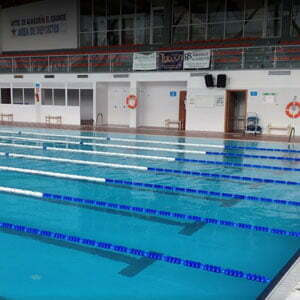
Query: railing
[[267, 57]]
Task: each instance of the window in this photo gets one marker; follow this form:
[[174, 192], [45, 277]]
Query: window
[[5, 96], [59, 97], [86, 17], [17, 96], [73, 97], [47, 97], [29, 96]]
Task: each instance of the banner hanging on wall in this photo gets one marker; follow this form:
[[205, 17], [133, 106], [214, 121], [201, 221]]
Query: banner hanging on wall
[[143, 62], [196, 59], [171, 60]]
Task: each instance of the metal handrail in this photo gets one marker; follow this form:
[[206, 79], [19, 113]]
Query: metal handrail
[[99, 115], [292, 134]]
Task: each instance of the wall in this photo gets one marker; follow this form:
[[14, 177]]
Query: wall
[[102, 102], [156, 104], [50, 24], [205, 107]]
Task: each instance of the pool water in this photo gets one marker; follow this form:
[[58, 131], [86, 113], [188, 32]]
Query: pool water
[[34, 266]]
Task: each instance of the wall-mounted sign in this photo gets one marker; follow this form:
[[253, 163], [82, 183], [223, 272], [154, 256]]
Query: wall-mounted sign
[[219, 100], [144, 61], [253, 93], [196, 59], [173, 94], [37, 92], [171, 60], [269, 98]]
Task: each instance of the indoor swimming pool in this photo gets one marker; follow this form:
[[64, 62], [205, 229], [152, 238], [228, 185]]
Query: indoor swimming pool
[[88, 215]]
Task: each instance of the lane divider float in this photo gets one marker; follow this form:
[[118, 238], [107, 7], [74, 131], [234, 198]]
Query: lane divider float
[[133, 251], [150, 169], [148, 211], [155, 187]]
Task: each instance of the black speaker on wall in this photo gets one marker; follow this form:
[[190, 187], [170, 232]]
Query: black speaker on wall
[[221, 81], [209, 80]]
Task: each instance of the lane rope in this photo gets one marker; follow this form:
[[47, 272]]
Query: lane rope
[[137, 252], [163, 158], [153, 142], [151, 169], [81, 143], [165, 188], [148, 211]]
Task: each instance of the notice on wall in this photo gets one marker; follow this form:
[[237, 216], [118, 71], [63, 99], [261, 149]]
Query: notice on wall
[[202, 101], [219, 100], [171, 60], [144, 62], [269, 98], [196, 59], [50, 24]]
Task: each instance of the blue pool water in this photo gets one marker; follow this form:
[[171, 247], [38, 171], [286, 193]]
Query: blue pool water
[[36, 267]]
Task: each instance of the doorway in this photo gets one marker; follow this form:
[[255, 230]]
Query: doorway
[[86, 107], [235, 111], [182, 110]]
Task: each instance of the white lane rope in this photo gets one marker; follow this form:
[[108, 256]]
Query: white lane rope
[[113, 139], [91, 152], [103, 145], [74, 161]]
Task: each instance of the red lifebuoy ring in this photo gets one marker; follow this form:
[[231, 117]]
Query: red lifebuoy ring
[[292, 110], [132, 101]]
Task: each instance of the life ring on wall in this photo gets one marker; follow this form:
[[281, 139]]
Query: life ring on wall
[[292, 110], [132, 101]]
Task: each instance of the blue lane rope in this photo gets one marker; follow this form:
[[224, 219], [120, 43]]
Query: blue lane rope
[[162, 213], [137, 252], [231, 164], [167, 188], [223, 176], [252, 156], [261, 149]]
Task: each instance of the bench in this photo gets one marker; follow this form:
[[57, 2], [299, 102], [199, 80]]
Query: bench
[[169, 122], [279, 128], [53, 120], [6, 117]]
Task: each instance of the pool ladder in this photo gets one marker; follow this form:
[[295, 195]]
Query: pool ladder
[[292, 137], [99, 115]]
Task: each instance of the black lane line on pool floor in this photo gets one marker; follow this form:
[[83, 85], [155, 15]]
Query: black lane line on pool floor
[[135, 266]]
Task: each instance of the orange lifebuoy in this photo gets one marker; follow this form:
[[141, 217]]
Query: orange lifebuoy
[[292, 110], [132, 101]]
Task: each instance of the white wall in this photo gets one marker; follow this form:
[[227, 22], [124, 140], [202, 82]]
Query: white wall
[[155, 103], [102, 102], [118, 113], [206, 116], [70, 114], [18, 35]]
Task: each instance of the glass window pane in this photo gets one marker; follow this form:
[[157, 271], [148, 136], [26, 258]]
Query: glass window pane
[[127, 7], [234, 30], [86, 18], [235, 10], [100, 38], [86, 39], [143, 9], [113, 23], [114, 7], [216, 11], [274, 28], [142, 36], [198, 11], [47, 98], [253, 29], [158, 34], [29, 97], [128, 37], [127, 22], [73, 97], [59, 97], [274, 9], [17, 96], [158, 17], [5, 96], [113, 37], [180, 33], [215, 31], [180, 12], [100, 15], [254, 9], [198, 33]]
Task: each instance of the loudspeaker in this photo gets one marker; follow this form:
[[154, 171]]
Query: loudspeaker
[[209, 80], [221, 81]]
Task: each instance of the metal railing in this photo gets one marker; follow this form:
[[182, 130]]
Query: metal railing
[[263, 57]]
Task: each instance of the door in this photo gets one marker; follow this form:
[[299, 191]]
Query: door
[[86, 107], [182, 111], [235, 111]]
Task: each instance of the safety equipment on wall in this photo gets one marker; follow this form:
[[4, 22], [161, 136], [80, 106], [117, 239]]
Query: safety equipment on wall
[[292, 110], [132, 101], [221, 81], [37, 97], [209, 80]]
